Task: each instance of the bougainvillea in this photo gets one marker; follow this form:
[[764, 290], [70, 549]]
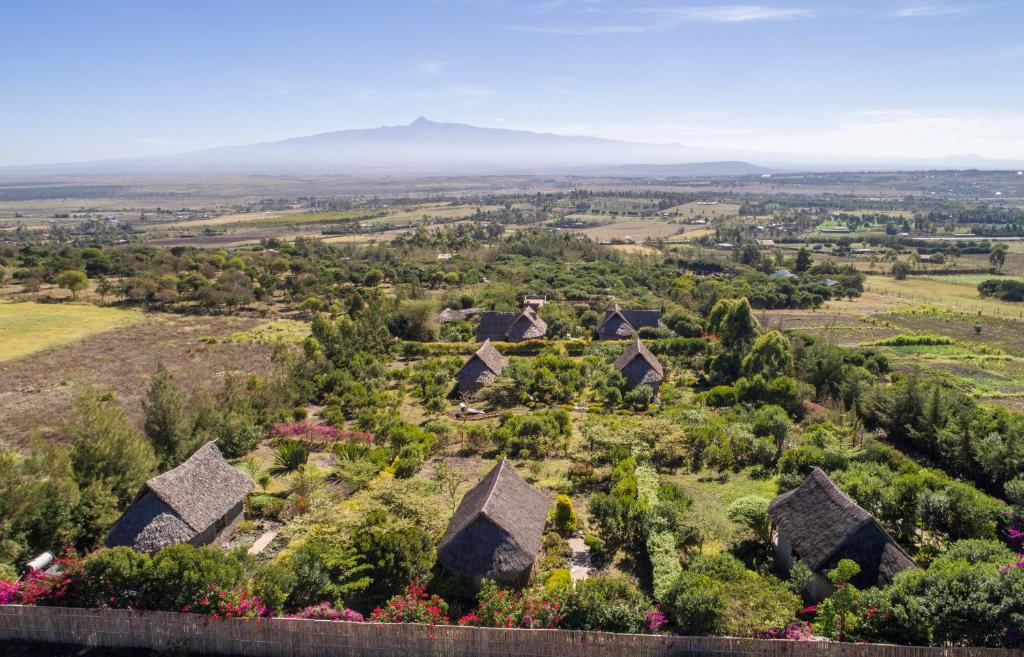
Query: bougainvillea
[[227, 603], [318, 432], [654, 620], [532, 608], [413, 606], [326, 611], [798, 631]]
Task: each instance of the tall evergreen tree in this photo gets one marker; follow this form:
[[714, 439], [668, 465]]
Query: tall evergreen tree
[[167, 423]]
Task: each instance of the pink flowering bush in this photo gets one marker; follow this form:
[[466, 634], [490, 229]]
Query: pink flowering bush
[[318, 432], [654, 620], [222, 603], [798, 631], [532, 608], [413, 606], [326, 611]]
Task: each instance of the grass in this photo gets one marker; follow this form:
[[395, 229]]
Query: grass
[[711, 500], [974, 280], [26, 328], [940, 293], [288, 331]]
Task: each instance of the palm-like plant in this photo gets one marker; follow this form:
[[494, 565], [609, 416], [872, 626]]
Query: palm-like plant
[[290, 456]]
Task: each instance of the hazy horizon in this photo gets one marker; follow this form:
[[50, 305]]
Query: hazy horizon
[[875, 80]]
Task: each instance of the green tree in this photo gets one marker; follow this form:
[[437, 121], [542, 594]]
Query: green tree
[[104, 447], [803, 260], [73, 280], [166, 420], [836, 617], [751, 512], [734, 322], [770, 356], [565, 515], [997, 256], [900, 270]]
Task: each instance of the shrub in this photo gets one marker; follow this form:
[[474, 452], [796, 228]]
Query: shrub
[[326, 611], [558, 580], [529, 608], [114, 578], [182, 575], [565, 515], [751, 512], [413, 606], [696, 604], [611, 603], [721, 396], [289, 457]]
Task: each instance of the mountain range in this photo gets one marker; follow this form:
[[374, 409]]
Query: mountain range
[[426, 147]]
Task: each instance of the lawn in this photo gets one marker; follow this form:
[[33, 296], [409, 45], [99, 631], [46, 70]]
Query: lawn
[[940, 293], [711, 500], [26, 328]]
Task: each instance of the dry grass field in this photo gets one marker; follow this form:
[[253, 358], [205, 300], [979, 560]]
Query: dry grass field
[[35, 390], [26, 328]]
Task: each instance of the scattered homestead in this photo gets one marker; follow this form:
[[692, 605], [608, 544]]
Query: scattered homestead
[[496, 531], [640, 366], [199, 502], [534, 301], [619, 323], [819, 525], [525, 324], [483, 366]]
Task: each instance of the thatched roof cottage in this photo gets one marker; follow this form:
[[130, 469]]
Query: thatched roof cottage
[[819, 525], [198, 502], [619, 323], [496, 531], [456, 315], [483, 366], [516, 326], [640, 366]]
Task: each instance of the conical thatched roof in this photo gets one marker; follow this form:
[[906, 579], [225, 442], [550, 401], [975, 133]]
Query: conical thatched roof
[[483, 366], [496, 531], [824, 526], [181, 503], [640, 366], [511, 326], [624, 322]]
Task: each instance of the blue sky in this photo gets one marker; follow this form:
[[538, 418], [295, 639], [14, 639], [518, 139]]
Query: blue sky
[[101, 79]]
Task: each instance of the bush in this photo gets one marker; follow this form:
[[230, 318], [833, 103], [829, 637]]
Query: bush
[[529, 608], [565, 515], [183, 574], [751, 512], [114, 578], [721, 396], [413, 606], [696, 604], [612, 603], [559, 579]]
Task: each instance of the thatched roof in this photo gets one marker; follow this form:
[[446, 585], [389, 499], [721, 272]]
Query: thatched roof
[[491, 357], [510, 326], [647, 370], [629, 321], [456, 315], [484, 365], [496, 531], [823, 526], [181, 503]]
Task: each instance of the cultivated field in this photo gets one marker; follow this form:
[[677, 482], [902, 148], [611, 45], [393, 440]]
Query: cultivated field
[[26, 328]]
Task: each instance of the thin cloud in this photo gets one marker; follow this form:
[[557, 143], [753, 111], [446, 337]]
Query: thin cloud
[[672, 17], [276, 87], [431, 68], [931, 11]]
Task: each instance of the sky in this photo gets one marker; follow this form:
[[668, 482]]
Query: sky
[[109, 78]]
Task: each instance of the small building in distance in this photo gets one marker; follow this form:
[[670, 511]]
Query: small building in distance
[[496, 531], [817, 524], [782, 273], [199, 502], [534, 301], [482, 367], [640, 366], [619, 323], [456, 315], [516, 326]]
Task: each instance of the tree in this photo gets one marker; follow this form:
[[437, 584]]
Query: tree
[[836, 617], [449, 480], [900, 270], [104, 447], [997, 256], [166, 420], [734, 322], [770, 356], [751, 511], [803, 260], [396, 555], [73, 280]]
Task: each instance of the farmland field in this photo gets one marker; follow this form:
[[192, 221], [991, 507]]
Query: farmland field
[[26, 328]]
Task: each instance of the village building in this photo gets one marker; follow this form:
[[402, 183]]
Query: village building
[[482, 367], [199, 502], [640, 367], [516, 326], [765, 242], [534, 301], [817, 524], [782, 273], [619, 323], [496, 531], [456, 315]]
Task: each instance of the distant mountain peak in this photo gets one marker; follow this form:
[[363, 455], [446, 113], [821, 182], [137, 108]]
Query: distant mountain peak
[[420, 122]]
